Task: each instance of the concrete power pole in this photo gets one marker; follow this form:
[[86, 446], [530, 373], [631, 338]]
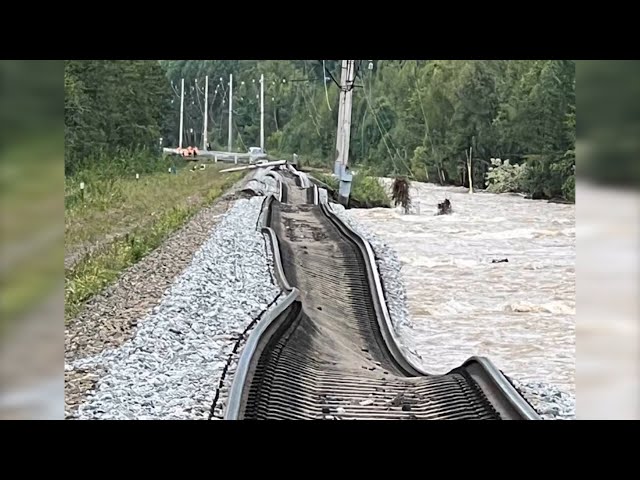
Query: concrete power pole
[[206, 112], [343, 81], [344, 131], [230, 143], [181, 113], [262, 112]]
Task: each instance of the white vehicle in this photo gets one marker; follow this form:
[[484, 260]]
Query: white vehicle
[[255, 154]]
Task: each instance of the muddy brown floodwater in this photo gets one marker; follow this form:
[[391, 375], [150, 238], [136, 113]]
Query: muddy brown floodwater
[[520, 313]]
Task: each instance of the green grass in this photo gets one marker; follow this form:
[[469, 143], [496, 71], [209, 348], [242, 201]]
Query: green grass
[[30, 230], [29, 192], [366, 191], [30, 283], [127, 219], [116, 206]]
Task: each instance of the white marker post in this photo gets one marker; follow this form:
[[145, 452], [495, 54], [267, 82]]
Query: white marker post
[[206, 113], [230, 142], [181, 112], [262, 112]]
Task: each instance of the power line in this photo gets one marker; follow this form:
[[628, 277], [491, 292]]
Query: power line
[[326, 92], [366, 96], [330, 74], [355, 75], [239, 134], [311, 115]]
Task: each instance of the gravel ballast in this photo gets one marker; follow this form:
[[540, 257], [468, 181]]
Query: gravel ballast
[[172, 366], [164, 342], [111, 317], [550, 402]]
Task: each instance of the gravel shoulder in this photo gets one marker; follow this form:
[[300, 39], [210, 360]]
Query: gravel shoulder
[[110, 318], [550, 402], [170, 367]]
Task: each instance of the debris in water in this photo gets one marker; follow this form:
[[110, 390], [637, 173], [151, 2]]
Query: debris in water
[[444, 208], [400, 193]]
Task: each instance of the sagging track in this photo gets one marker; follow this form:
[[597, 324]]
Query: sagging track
[[329, 350]]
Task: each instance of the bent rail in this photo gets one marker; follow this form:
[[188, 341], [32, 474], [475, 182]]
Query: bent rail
[[377, 295], [504, 396], [301, 176], [497, 389], [501, 392], [278, 178], [265, 329]]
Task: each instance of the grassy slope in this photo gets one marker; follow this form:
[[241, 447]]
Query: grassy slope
[[366, 192], [127, 219], [30, 230]]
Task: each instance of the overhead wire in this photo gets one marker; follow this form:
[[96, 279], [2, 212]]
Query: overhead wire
[[383, 134], [324, 81]]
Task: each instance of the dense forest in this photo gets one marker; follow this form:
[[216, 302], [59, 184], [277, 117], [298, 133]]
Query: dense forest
[[415, 118]]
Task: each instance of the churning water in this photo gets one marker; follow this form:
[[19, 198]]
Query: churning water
[[520, 313]]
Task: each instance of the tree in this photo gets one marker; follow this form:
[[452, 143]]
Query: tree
[[415, 118]]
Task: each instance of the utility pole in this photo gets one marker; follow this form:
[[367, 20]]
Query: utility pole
[[230, 143], [343, 80], [262, 112], [181, 112], [344, 131], [206, 112], [469, 154]]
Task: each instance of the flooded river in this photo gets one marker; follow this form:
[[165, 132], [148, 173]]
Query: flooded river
[[518, 313]]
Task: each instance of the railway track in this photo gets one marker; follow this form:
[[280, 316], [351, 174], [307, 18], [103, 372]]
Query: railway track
[[329, 350]]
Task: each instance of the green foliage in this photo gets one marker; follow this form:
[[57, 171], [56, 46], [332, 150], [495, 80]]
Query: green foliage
[[420, 164], [30, 99], [503, 176], [546, 175], [540, 176], [366, 190], [97, 270], [609, 122], [131, 218], [409, 118], [112, 105], [327, 179], [569, 188]]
